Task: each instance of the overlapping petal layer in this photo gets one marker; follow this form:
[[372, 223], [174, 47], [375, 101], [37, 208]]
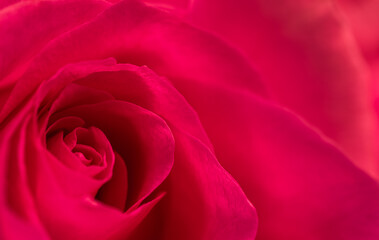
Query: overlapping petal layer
[[26, 27], [308, 60], [130, 105], [301, 185], [134, 33]]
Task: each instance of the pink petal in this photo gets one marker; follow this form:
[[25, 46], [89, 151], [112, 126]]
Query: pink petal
[[301, 185], [199, 191], [170, 4], [204, 201], [362, 17], [75, 178], [134, 33], [309, 61], [18, 218], [33, 202], [28, 26], [114, 192], [141, 137]]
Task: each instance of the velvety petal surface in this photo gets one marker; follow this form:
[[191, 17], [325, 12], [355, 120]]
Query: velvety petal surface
[[141, 137], [7, 3], [33, 200], [308, 59], [362, 18], [302, 186], [16, 223], [194, 187], [191, 196], [134, 33], [26, 27], [140, 113]]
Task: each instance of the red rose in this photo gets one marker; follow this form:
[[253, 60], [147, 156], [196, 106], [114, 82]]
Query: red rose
[[118, 119]]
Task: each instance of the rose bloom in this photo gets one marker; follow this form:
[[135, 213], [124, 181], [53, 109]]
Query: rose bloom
[[189, 119]]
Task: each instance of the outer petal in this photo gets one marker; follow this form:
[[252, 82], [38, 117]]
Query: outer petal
[[363, 18], [306, 56], [302, 186], [26, 206], [27, 26], [170, 4], [16, 224], [199, 192], [202, 201], [134, 33], [7, 3], [139, 135], [197, 180]]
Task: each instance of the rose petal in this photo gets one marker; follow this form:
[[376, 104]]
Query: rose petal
[[18, 218], [29, 25], [114, 192], [362, 17], [148, 91], [14, 227], [307, 57], [86, 218], [67, 124], [156, 94], [92, 80], [301, 185], [26, 203], [7, 3], [141, 137], [205, 202], [170, 4], [134, 33], [75, 178]]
